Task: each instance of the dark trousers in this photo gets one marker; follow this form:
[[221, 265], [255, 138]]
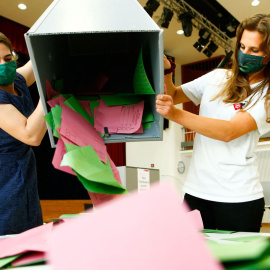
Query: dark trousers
[[244, 217]]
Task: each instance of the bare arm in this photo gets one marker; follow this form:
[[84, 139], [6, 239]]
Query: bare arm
[[222, 130], [27, 72], [27, 130]]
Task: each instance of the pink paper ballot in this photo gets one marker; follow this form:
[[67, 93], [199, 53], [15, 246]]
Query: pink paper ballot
[[86, 106], [36, 239], [78, 130], [29, 258], [118, 119], [58, 156], [196, 217], [50, 92], [144, 231], [56, 101]]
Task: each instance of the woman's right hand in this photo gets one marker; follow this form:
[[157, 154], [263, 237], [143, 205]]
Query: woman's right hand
[[167, 63]]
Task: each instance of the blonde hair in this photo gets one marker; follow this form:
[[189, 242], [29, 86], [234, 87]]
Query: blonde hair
[[237, 88]]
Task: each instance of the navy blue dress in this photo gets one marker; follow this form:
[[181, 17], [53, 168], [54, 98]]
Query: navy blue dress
[[20, 208]]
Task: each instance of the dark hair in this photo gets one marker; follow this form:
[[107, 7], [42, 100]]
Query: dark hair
[[5, 40]]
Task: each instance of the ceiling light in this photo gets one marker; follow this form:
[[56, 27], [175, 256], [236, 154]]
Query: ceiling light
[[204, 34], [198, 46], [207, 53], [212, 47], [203, 40], [166, 17], [180, 32], [230, 28], [151, 6], [186, 19], [22, 6], [255, 3]]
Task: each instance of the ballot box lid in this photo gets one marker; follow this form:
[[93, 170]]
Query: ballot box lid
[[69, 16]]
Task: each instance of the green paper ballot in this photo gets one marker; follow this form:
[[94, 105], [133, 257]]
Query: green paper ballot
[[49, 119], [247, 238], [146, 125], [93, 104], [74, 104], [238, 252], [69, 216], [141, 83], [217, 231], [56, 115], [147, 115], [261, 264], [91, 171], [71, 147], [98, 187], [8, 260]]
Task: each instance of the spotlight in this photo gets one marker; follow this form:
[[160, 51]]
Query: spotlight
[[230, 28], [186, 19], [207, 52], [204, 34], [149, 11], [203, 40], [211, 48], [166, 17], [151, 6], [198, 46]]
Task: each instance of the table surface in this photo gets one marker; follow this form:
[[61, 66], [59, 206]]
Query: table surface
[[218, 237]]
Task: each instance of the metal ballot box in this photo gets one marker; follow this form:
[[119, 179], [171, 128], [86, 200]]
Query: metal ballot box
[[74, 40], [140, 179]]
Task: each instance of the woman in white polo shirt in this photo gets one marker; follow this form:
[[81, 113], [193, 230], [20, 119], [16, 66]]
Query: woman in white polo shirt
[[223, 180]]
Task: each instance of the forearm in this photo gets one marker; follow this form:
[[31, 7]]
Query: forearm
[[36, 126], [212, 128], [171, 89], [27, 72], [175, 92], [241, 123]]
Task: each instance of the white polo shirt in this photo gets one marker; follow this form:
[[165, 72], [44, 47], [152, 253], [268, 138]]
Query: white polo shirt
[[223, 171]]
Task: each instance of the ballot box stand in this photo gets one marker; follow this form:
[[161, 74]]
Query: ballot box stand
[[77, 40]]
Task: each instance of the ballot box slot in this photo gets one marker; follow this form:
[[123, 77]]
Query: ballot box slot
[[78, 59]]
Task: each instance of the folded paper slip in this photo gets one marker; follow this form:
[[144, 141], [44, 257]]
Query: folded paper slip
[[147, 231], [35, 239]]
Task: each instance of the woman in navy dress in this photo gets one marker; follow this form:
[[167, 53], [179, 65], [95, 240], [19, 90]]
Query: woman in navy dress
[[21, 126]]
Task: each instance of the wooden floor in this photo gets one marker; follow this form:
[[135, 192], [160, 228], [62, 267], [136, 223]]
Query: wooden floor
[[265, 228], [55, 208]]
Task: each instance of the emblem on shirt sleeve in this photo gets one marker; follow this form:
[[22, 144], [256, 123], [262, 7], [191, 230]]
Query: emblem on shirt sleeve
[[240, 105]]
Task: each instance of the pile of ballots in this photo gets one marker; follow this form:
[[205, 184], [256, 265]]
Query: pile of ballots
[[79, 122]]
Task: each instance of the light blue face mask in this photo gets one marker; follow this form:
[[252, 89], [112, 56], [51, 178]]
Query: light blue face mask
[[249, 64], [8, 73]]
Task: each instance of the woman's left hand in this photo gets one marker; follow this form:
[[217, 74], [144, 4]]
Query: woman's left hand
[[165, 106]]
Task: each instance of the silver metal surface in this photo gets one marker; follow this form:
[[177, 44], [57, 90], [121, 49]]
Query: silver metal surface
[[72, 29]]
